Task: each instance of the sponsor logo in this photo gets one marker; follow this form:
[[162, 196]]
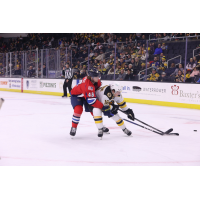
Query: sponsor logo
[[175, 89], [27, 84], [190, 95], [16, 86], [136, 88], [51, 85], [152, 90], [14, 81], [3, 82], [126, 88]]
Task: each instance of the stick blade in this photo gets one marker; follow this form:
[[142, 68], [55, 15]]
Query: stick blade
[[169, 131]]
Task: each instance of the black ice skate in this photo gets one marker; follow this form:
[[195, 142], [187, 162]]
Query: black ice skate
[[126, 131], [73, 131], [100, 132], [1, 102], [106, 130]]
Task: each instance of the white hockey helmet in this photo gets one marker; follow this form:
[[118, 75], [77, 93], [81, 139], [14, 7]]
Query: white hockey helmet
[[116, 86]]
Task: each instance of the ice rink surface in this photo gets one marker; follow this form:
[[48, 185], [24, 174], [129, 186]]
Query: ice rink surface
[[34, 131]]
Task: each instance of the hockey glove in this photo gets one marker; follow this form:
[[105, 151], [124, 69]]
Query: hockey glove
[[106, 111], [130, 114], [114, 109]]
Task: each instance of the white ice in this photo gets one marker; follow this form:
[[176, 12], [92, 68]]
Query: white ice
[[34, 130]]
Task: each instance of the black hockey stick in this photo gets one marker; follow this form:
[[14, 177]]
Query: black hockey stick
[[166, 132], [143, 127]]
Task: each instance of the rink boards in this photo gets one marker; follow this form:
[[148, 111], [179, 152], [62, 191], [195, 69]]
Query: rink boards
[[181, 95]]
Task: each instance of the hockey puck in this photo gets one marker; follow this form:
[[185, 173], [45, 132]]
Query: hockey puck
[[195, 130]]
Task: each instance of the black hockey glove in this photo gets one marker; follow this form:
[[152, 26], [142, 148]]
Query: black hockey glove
[[130, 114], [106, 111], [115, 109]]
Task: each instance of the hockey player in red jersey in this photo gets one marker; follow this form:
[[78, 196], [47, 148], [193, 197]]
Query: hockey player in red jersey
[[84, 94]]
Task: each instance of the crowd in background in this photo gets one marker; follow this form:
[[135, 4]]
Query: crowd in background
[[86, 50]]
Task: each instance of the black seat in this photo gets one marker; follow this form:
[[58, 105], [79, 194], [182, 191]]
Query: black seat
[[176, 46], [170, 51], [176, 51]]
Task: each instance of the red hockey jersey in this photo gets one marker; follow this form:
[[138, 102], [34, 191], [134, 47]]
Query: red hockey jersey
[[87, 89]]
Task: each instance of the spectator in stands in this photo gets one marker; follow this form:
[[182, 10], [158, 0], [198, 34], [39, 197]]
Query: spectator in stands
[[195, 60], [121, 75], [163, 64], [128, 59], [165, 37], [170, 70], [164, 47], [103, 70], [83, 73], [111, 71], [152, 49], [126, 68], [77, 75], [31, 72], [158, 50], [44, 70], [18, 71], [191, 64], [163, 77], [101, 56], [153, 76], [111, 60], [179, 77], [137, 62], [143, 57], [187, 76], [155, 64], [133, 62], [195, 72], [139, 54], [180, 67], [129, 76], [130, 67]]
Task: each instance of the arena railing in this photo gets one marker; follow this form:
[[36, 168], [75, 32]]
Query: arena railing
[[56, 58]]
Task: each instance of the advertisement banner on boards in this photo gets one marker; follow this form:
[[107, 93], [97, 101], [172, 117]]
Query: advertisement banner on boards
[[170, 92], [14, 83]]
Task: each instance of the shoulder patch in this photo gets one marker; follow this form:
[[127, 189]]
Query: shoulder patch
[[109, 95], [90, 88], [108, 92]]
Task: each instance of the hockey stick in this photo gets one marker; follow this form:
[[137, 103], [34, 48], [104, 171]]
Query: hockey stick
[[143, 127], [166, 132]]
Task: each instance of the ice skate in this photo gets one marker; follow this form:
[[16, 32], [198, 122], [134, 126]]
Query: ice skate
[[73, 131], [106, 130], [1, 102], [100, 132], [126, 131]]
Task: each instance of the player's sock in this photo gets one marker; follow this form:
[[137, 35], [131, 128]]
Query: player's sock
[[98, 118], [119, 121], [98, 121], [76, 116]]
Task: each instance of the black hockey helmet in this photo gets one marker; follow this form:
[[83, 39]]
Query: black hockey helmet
[[93, 72]]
